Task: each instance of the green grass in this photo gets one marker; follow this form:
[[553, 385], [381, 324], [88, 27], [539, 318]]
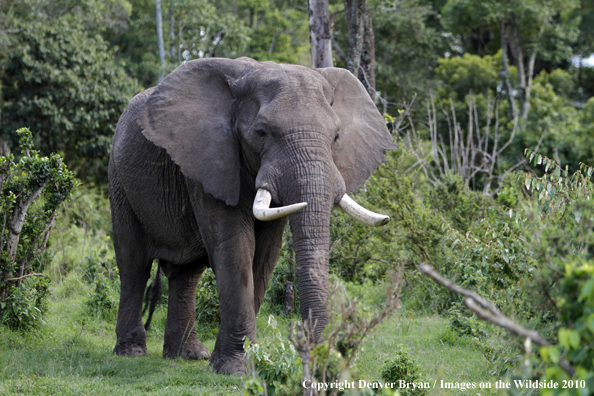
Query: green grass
[[72, 354], [422, 338]]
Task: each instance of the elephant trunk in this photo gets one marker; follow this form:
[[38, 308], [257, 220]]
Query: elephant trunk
[[307, 173], [318, 183], [311, 240]]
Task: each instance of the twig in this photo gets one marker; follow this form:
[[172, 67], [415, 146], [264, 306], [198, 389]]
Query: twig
[[486, 311], [23, 277], [303, 346]]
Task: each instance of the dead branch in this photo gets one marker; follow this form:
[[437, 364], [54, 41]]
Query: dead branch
[[22, 277], [487, 311], [303, 345]]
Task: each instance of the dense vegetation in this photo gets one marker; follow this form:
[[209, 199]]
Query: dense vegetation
[[466, 87]]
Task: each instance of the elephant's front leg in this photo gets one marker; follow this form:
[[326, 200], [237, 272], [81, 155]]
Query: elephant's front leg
[[232, 263], [181, 339]]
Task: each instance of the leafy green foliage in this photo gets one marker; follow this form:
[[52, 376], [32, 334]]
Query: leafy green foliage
[[403, 367], [276, 362], [32, 190], [26, 305], [207, 300], [284, 271], [68, 89], [103, 276]]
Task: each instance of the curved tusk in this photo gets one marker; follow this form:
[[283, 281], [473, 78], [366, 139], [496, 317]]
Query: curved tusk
[[358, 212], [262, 209]]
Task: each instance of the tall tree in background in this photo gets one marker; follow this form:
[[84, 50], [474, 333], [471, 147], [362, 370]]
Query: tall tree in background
[[160, 39], [361, 55], [320, 33], [528, 30]]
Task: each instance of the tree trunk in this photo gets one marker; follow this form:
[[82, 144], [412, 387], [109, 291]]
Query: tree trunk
[[361, 53], [355, 11], [160, 39], [171, 32], [320, 33], [504, 74], [367, 67]]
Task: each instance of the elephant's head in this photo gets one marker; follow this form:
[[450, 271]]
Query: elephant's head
[[297, 135]]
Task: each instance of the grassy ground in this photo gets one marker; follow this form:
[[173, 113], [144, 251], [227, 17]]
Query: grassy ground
[[72, 355]]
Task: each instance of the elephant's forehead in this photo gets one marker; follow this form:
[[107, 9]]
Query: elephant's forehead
[[290, 78]]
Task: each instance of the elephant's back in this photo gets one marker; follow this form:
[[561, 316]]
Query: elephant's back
[[153, 187]]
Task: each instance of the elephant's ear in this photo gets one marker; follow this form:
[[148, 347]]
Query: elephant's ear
[[189, 115], [363, 137]]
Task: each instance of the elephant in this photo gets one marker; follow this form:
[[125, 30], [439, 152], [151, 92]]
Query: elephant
[[206, 169]]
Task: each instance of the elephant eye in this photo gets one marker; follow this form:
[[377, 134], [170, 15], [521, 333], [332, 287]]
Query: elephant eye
[[260, 132], [336, 137]]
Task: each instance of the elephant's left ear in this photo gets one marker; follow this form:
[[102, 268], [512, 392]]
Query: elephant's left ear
[[363, 137]]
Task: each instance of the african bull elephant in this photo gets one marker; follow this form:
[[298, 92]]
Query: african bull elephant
[[204, 170]]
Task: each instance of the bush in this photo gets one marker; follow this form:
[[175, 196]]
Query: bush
[[67, 86], [32, 190], [207, 300], [26, 305], [103, 275], [284, 271], [103, 301], [276, 362], [402, 367]]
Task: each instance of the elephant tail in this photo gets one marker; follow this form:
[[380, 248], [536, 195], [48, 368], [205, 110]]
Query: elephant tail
[[151, 296]]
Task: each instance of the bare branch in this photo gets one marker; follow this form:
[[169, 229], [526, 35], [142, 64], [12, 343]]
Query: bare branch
[[487, 311], [22, 277]]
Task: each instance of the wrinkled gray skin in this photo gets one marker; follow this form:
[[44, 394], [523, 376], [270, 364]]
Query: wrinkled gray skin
[[187, 159]]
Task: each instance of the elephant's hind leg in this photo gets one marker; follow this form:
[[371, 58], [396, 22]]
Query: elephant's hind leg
[[181, 339], [134, 273], [134, 265]]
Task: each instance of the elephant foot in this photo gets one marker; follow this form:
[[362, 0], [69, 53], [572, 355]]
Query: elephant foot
[[193, 351], [126, 349], [230, 365]]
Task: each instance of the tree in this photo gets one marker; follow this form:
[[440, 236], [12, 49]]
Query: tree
[[69, 90], [361, 54], [25, 226], [526, 28], [160, 39], [320, 33]]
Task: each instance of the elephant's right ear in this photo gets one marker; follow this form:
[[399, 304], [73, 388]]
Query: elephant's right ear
[[189, 115]]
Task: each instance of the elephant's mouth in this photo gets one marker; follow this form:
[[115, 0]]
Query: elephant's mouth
[[263, 212]]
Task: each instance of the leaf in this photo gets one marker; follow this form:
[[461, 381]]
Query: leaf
[[587, 290], [569, 338], [574, 339], [550, 353], [590, 322], [578, 216]]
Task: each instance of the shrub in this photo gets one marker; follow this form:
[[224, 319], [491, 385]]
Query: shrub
[[284, 271], [26, 305], [276, 362], [103, 301], [403, 367], [103, 275], [32, 189], [207, 300], [66, 84]]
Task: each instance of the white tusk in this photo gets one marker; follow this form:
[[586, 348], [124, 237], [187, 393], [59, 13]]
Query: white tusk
[[262, 209], [358, 212]]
